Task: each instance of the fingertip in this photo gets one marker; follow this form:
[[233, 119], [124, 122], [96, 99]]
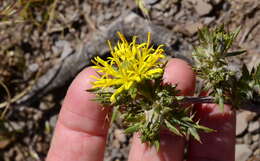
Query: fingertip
[[179, 72], [223, 121], [171, 149], [79, 101], [82, 124]]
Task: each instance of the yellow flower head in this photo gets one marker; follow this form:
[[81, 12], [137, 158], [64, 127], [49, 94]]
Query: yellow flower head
[[129, 64]]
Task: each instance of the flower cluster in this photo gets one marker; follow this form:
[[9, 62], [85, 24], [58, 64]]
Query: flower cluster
[[130, 63]]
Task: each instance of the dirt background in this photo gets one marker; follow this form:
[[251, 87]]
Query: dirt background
[[36, 36]]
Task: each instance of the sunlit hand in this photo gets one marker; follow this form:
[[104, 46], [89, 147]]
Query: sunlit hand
[[81, 130]]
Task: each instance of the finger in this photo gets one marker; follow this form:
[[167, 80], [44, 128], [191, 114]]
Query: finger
[[81, 129], [219, 145], [178, 72]]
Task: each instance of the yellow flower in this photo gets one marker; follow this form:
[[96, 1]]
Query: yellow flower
[[129, 64]]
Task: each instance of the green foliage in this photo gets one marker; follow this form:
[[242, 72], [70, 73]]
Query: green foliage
[[249, 86], [153, 107], [148, 105], [211, 64]]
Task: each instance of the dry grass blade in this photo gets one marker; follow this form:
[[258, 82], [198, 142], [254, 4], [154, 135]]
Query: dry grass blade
[[8, 102]]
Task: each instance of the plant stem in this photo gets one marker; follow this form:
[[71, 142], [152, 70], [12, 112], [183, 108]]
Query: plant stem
[[250, 105]]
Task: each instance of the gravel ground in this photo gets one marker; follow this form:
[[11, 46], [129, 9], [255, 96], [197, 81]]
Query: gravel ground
[[29, 49]]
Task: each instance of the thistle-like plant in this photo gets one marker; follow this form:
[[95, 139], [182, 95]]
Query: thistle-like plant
[[130, 81], [211, 65]]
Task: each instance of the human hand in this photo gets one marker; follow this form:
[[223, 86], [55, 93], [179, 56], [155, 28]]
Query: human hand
[[81, 130]]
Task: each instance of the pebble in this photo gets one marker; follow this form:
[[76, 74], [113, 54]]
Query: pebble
[[202, 7], [255, 145], [43, 106], [106, 1], [33, 67], [242, 121], [151, 2], [65, 46], [242, 152], [53, 120], [120, 135], [254, 127], [248, 139], [192, 28], [256, 137], [209, 20], [108, 16], [257, 152]]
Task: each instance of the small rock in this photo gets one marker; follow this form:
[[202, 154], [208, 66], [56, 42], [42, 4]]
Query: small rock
[[242, 152], [202, 7], [116, 144], [53, 120], [66, 48], [108, 16], [239, 140], [38, 115], [242, 121], [33, 67], [151, 2], [119, 135], [253, 126], [255, 145], [257, 152], [248, 139], [43, 106], [256, 137], [208, 20], [216, 1], [17, 125], [106, 1], [192, 28]]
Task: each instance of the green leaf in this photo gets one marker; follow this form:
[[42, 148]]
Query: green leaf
[[245, 73], [92, 89], [114, 113], [235, 53], [205, 129], [195, 134], [133, 128], [221, 103], [257, 73], [132, 92], [172, 128], [187, 119], [157, 145]]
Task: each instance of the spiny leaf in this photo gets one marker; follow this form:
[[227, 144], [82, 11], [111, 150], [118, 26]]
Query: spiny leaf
[[172, 128], [245, 73], [114, 113], [221, 103], [235, 53], [157, 145], [92, 89], [257, 73], [205, 129], [195, 134]]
